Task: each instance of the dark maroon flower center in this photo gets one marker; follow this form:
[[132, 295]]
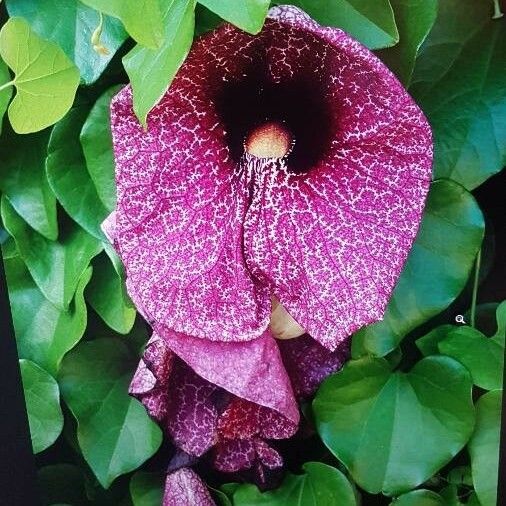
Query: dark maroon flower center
[[299, 106]]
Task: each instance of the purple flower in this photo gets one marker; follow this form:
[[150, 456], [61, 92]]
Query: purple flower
[[290, 166], [201, 417]]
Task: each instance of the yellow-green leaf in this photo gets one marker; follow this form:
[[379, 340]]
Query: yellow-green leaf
[[45, 79]]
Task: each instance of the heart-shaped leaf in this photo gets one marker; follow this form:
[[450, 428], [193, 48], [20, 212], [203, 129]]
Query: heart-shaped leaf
[[414, 19], [320, 485], [42, 399], [44, 333], [146, 489], [5, 90], [141, 19], [74, 34], [484, 447], [483, 356], [68, 176], [151, 71], [107, 293], [428, 344], [56, 267], [459, 83], [419, 498], [114, 431], [23, 180], [408, 425], [96, 141], [372, 23], [45, 79], [248, 15], [444, 251]]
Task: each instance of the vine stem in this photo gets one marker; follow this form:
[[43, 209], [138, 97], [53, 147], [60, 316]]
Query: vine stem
[[497, 10], [475, 288], [6, 85]]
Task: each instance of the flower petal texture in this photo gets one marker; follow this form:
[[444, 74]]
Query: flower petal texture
[[184, 488], [208, 232]]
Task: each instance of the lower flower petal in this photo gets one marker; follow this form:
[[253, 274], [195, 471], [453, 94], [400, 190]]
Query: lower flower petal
[[234, 455], [180, 400], [252, 370], [192, 415], [267, 455], [184, 488], [308, 363], [243, 420]]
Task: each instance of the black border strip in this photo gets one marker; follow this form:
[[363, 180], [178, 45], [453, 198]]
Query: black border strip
[[18, 485]]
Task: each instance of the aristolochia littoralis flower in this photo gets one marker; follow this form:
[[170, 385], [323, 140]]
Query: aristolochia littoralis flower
[[291, 167]]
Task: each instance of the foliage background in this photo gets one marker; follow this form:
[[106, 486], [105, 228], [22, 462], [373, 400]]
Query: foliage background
[[413, 418]]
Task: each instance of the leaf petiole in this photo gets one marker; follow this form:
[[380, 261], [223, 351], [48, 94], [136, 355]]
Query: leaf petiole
[[498, 14], [475, 288], [6, 85]]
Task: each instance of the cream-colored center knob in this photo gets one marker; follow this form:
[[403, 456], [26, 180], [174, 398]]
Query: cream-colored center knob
[[270, 140]]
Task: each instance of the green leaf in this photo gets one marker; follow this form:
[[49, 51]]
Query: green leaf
[[484, 447], [44, 333], [146, 489], [461, 476], [414, 19], [220, 498], [483, 356], [23, 180], [419, 498], [107, 294], [56, 267], [372, 23], [68, 176], [151, 71], [142, 19], [428, 344], [205, 20], [74, 34], [42, 399], [96, 141], [320, 485], [408, 424], [61, 484], [248, 15], [45, 79], [114, 431], [459, 83], [436, 271], [5, 93]]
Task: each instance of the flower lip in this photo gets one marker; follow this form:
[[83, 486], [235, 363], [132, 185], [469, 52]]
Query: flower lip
[[299, 105], [269, 140]]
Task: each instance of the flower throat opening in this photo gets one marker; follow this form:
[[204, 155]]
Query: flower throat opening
[[290, 120]]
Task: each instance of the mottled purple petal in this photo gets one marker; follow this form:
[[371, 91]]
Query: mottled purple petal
[[231, 456], [251, 370], [184, 488], [243, 420], [207, 234], [151, 380], [267, 455], [234, 455], [308, 363], [180, 400], [181, 205], [331, 241], [192, 415]]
